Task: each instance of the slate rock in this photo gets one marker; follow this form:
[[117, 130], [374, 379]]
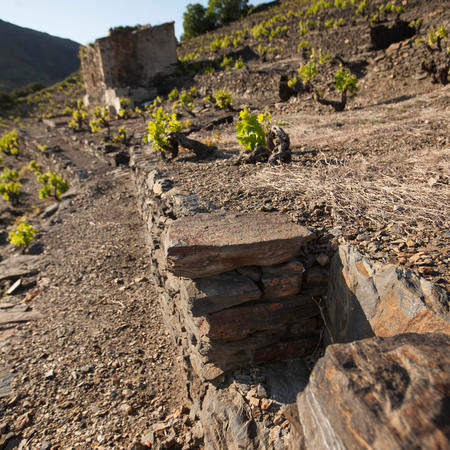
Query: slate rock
[[242, 321], [379, 393], [282, 279], [212, 294], [50, 210], [367, 298], [18, 266], [210, 244]]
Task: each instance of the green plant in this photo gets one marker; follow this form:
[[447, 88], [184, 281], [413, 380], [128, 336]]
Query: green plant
[[52, 183], [345, 82], [122, 136], [173, 95], [186, 101], [9, 175], [158, 129], [223, 99], [22, 235], [9, 185], [239, 64], [43, 148], [101, 120], [251, 129], [227, 62], [125, 108], [292, 82], [308, 71], [79, 117], [437, 59], [9, 142]]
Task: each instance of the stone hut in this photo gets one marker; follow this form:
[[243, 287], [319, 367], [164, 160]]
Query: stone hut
[[128, 63]]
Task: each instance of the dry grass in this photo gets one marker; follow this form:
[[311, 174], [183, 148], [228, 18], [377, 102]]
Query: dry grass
[[409, 189]]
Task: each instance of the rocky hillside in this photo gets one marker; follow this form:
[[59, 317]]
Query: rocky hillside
[[213, 297], [28, 56]]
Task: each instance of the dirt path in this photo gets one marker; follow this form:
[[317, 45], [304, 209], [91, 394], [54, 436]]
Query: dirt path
[[98, 369]]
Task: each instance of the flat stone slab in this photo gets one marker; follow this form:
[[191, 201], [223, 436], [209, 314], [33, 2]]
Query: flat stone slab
[[209, 244], [18, 266], [208, 295], [17, 314]]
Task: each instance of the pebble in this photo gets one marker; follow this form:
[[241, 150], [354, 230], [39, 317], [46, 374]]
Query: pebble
[[126, 409]]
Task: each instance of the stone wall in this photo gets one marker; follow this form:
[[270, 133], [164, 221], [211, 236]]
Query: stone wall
[[240, 290], [236, 289], [128, 63]]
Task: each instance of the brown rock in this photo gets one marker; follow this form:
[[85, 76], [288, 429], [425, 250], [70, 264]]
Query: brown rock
[[240, 322], [367, 298], [315, 276], [210, 244], [283, 279], [208, 295], [379, 393]]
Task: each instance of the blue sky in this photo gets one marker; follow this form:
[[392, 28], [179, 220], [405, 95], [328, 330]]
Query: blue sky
[[86, 20]]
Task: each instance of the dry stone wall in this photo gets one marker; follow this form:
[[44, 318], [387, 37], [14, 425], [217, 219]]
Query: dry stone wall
[[239, 290]]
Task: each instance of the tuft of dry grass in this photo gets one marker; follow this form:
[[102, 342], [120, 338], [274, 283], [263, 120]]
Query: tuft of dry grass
[[409, 189]]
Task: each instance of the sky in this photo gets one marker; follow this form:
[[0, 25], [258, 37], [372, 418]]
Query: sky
[[84, 21]]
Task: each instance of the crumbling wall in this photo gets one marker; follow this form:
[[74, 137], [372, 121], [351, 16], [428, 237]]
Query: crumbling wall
[[128, 63]]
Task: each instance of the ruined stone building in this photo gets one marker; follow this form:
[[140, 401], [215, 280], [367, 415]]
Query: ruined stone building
[[130, 62]]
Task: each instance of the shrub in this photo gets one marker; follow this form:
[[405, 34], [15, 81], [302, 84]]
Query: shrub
[[196, 20], [227, 62], [100, 120], [239, 64], [345, 81], [173, 95], [437, 60], [122, 136], [251, 129], [79, 117], [9, 185], [225, 11], [22, 235], [159, 127], [43, 148], [124, 111], [52, 183], [9, 143], [223, 99]]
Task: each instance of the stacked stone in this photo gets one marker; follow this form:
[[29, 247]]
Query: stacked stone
[[241, 288], [235, 289]]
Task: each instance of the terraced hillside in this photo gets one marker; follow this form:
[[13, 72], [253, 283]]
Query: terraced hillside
[[103, 344]]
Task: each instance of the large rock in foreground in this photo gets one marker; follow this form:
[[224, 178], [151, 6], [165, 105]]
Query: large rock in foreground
[[380, 393], [210, 244]]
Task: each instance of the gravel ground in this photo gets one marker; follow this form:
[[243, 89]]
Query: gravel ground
[[98, 370]]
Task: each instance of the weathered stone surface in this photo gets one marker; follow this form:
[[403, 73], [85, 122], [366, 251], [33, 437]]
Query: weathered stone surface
[[210, 244], [240, 322], [128, 63], [366, 299], [17, 315], [283, 279], [208, 295], [379, 393], [315, 276], [18, 266]]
